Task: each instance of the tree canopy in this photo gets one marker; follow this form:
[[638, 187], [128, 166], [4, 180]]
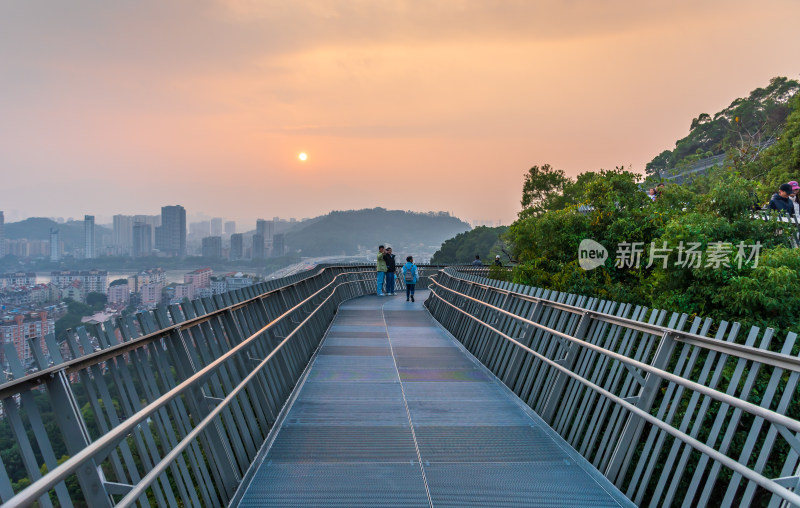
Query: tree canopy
[[712, 211], [461, 249], [754, 120]]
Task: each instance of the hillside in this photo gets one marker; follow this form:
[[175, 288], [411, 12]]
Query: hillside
[[751, 121], [349, 232], [38, 228], [483, 241]]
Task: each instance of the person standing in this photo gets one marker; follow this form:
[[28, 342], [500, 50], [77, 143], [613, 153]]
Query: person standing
[[780, 200], [391, 266], [381, 269], [497, 261], [795, 198], [477, 261], [410, 276]]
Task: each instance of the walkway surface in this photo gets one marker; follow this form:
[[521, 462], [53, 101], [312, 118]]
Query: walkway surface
[[395, 412]]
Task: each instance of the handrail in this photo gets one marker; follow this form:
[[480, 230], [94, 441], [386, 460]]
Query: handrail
[[748, 473], [111, 438], [771, 358], [35, 379], [159, 468], [767, 414]]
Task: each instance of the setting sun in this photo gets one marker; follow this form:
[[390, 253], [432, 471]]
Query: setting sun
[[302, 156]]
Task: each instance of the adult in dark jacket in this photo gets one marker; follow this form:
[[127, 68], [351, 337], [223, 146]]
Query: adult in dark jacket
[[391, 266], [780, 200]]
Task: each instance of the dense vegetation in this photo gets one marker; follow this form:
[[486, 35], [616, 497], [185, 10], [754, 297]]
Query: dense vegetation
[[483, 241], [713, 210], [95, 302], [747, 124], [350, 232]]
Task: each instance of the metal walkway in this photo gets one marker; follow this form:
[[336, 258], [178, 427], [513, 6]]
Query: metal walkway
[[394, 412]]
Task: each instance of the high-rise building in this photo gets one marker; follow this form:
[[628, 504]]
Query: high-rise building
[[237, 246], [142, 239], [55, 245], [119, 292], [171, 235], [212, 247], [278, 246], [258, 247], [22, 329], [88, 237], [122, 237], [265, 228], [216, 226], [230, 227], [153, 220], [200, 278], [201, 229], [2, 235], [151, 276], [95, 281]]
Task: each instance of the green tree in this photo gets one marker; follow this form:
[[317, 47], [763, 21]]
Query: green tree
[[96, 300], [540, 183], [461, 249], [744, 126]]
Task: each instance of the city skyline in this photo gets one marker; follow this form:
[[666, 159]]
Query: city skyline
[[461, 98]]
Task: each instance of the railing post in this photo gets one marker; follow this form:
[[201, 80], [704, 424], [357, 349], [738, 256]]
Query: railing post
[[634, 424], [70, 421], [528, 331], [570, 357]]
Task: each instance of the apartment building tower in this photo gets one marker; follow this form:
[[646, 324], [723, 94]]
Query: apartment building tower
[[88, 237], [171, 235], [142, 239]]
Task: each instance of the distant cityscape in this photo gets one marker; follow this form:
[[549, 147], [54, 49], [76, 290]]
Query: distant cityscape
[[30, 308], [33, 305], [163, 235]]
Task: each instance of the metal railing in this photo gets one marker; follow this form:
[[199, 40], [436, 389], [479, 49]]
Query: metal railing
[[671, 416], [792, 223], [169, 408]]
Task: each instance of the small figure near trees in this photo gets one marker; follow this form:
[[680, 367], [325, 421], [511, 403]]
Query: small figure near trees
[[477, 261]]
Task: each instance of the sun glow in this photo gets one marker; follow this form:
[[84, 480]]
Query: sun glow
[[303, 156]]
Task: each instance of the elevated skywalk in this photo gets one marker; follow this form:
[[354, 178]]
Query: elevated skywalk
[[393, 411]]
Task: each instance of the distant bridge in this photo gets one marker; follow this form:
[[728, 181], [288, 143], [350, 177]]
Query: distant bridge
[[312, 391]]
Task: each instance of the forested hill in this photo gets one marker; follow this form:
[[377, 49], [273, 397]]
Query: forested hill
[[38, 228], [752, 120], [348, 232], [483, 241]]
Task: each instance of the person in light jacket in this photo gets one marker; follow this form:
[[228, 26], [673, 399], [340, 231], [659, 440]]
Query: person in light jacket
[[410, 276], [381, 269]]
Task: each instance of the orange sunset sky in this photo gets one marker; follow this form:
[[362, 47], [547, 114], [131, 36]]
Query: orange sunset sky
[[125, 106]]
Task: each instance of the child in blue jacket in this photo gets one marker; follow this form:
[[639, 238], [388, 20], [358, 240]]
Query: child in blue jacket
[[410, 275]]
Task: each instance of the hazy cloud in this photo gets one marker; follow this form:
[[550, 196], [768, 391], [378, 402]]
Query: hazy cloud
[[208, 102]]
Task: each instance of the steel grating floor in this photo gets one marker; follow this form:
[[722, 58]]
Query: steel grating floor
[[394, 412]]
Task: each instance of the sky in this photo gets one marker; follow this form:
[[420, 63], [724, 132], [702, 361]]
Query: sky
[[126, 106]]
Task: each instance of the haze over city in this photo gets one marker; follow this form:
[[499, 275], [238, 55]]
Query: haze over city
[[127, 106]]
